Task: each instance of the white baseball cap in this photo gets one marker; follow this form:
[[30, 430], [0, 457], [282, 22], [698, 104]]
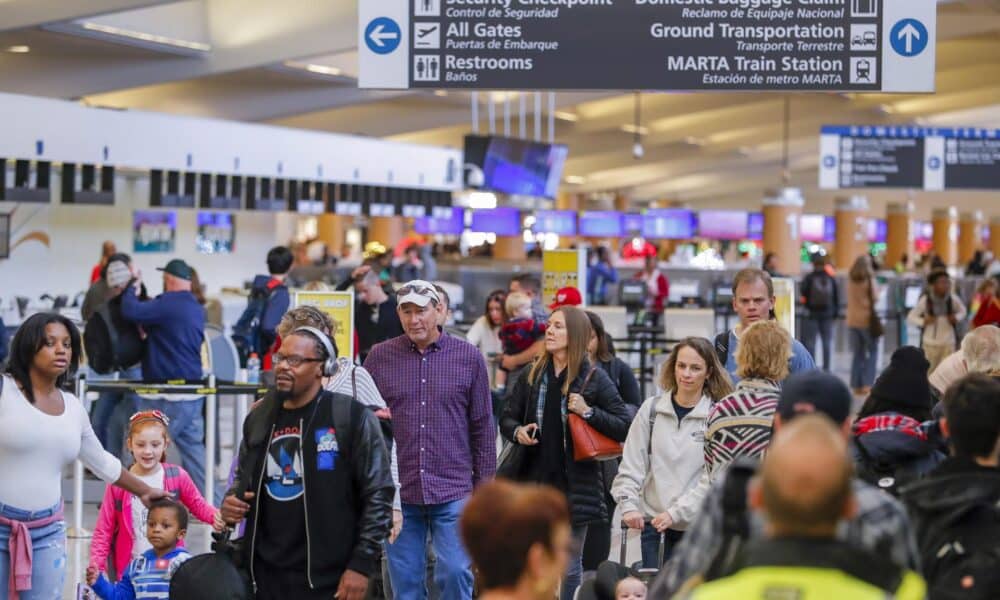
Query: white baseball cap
[[417, 292]]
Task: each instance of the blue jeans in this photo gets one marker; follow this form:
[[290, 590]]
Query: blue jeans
[[187, 431], [649, 542], [574, 568], [865, 353], [110, 414], [48, 564], [408, 556], [821, 326]]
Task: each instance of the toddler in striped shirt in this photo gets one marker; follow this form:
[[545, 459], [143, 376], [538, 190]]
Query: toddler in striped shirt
[[148, 576]]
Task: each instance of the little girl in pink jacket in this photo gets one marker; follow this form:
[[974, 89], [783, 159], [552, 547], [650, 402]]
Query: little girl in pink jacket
[[121, 524]]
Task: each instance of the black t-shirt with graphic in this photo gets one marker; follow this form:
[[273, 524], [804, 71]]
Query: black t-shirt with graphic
[[281, 535]]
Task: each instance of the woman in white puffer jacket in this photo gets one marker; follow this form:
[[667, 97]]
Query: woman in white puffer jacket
[[659, 486]]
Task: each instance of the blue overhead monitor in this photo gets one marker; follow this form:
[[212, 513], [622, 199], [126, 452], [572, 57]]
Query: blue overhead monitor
[[559, 222], [755, 226], [514, 166], [453, 225], [722, 224], [633, 222], [669, 224], [603, 223], [501, 221]]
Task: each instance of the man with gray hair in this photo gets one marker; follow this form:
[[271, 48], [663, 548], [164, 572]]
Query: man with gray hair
[[980, 353]]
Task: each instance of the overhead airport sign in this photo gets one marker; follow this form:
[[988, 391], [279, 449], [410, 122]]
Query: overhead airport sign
[[923, 158], [719, 45]]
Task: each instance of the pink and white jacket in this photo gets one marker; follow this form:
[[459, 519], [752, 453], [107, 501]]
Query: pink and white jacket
[[114, 531]]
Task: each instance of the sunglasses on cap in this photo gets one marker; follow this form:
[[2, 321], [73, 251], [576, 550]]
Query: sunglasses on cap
[[417, 289], [149, 415]]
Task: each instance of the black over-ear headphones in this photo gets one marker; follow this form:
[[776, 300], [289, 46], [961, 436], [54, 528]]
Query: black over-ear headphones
[[330, 364]]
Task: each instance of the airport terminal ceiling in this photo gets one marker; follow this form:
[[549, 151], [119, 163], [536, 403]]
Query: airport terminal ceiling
[[294, 64]]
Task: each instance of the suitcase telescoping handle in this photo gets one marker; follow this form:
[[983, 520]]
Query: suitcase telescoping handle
[[660, 552]]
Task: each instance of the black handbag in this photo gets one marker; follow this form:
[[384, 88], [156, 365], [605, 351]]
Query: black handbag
[[875, 327], [510, 463]]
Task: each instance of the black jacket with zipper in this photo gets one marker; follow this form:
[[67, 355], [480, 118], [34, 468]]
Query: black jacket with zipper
[[611, 417], [348, 509]]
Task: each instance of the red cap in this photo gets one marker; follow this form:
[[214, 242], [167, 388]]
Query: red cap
[[567, 296]]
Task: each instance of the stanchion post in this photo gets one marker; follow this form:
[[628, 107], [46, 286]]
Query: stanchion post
[[77, 531], [211, 415]]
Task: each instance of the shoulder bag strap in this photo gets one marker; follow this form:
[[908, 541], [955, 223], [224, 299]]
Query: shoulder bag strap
[[652, 423], [354, 381]]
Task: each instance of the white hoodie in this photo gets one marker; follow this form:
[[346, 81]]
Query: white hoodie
[[671, 479]]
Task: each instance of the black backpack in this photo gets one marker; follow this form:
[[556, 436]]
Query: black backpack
[[722, 348], [735, 520], [212, 576], [111, 342], [246, 332], [820, 292], [967, 570], [890, 478]]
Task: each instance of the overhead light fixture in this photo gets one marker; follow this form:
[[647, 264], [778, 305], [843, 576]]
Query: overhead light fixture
[[885, 109], [563, 115], [575, 179], [19, 49], [693, 141], [635, 129], [147, 37], [323, 69], [440, 93]]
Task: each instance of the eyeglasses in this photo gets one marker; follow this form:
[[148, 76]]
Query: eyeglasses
[[294, 361], [149, 415]]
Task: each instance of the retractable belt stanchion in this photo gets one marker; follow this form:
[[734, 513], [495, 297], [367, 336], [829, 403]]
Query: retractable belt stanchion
[[77, 530]]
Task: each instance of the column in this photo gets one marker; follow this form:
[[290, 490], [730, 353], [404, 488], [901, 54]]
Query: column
[[851, 240], [899, 233], [330, 229], [945, 223], [782, 213], [509, 248], [995, 235], [970, 235], [387, 230]]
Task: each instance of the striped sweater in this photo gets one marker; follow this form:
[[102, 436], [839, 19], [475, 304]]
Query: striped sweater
[[740, 424], [147, 577]]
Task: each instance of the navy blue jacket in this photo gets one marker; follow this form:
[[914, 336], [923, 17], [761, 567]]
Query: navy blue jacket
[[277, 305], [174, 323]]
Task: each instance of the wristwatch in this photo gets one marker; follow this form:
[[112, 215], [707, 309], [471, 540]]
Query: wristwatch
[[588, 414]]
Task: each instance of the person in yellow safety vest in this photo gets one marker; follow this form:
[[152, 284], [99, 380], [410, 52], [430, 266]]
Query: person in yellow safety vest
[[805, 490]]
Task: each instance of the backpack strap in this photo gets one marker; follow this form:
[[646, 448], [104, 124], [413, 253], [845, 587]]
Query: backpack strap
[[652, 422], [722, 348], [105, 311], [341, 413], [735, 521]]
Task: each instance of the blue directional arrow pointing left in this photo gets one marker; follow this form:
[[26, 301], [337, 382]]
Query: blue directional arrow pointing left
[[383, 35]]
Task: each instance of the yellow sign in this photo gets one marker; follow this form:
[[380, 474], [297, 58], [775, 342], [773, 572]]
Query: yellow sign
[[784, 303], [340, 307], [563, 268]]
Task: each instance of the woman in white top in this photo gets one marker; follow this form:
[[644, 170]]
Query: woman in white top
[[42, 430], [659, 484], [485, 332]]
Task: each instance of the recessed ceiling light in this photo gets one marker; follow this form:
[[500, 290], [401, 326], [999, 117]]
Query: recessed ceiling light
[[575, 179], [440, 93], [20, 49]]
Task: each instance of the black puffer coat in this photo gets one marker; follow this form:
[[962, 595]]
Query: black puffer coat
[[611, 417]]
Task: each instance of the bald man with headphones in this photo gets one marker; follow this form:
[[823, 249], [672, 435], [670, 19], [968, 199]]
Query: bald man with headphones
[[313, 482]]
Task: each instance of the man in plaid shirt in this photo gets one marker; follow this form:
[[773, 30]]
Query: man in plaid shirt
[[437, 388], [880, 523]]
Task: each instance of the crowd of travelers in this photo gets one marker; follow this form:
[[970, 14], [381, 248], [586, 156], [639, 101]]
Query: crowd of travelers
[[435, 466]]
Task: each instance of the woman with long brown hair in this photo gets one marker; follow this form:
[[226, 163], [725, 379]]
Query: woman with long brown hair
[[861, 294], [664, 452], [562, 381]]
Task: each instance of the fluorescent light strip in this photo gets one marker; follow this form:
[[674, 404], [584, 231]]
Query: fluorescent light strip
[[147, 37], [631, 128], [322, 69], [566, 116], [575, 179]]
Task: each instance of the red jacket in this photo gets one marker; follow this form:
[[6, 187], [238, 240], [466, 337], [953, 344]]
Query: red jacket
[[656, 301], [988, 313]]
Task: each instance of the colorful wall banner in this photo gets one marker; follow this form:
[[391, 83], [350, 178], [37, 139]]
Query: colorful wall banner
[[153, 231]]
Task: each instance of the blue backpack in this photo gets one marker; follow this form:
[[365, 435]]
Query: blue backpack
[[246, 332]]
